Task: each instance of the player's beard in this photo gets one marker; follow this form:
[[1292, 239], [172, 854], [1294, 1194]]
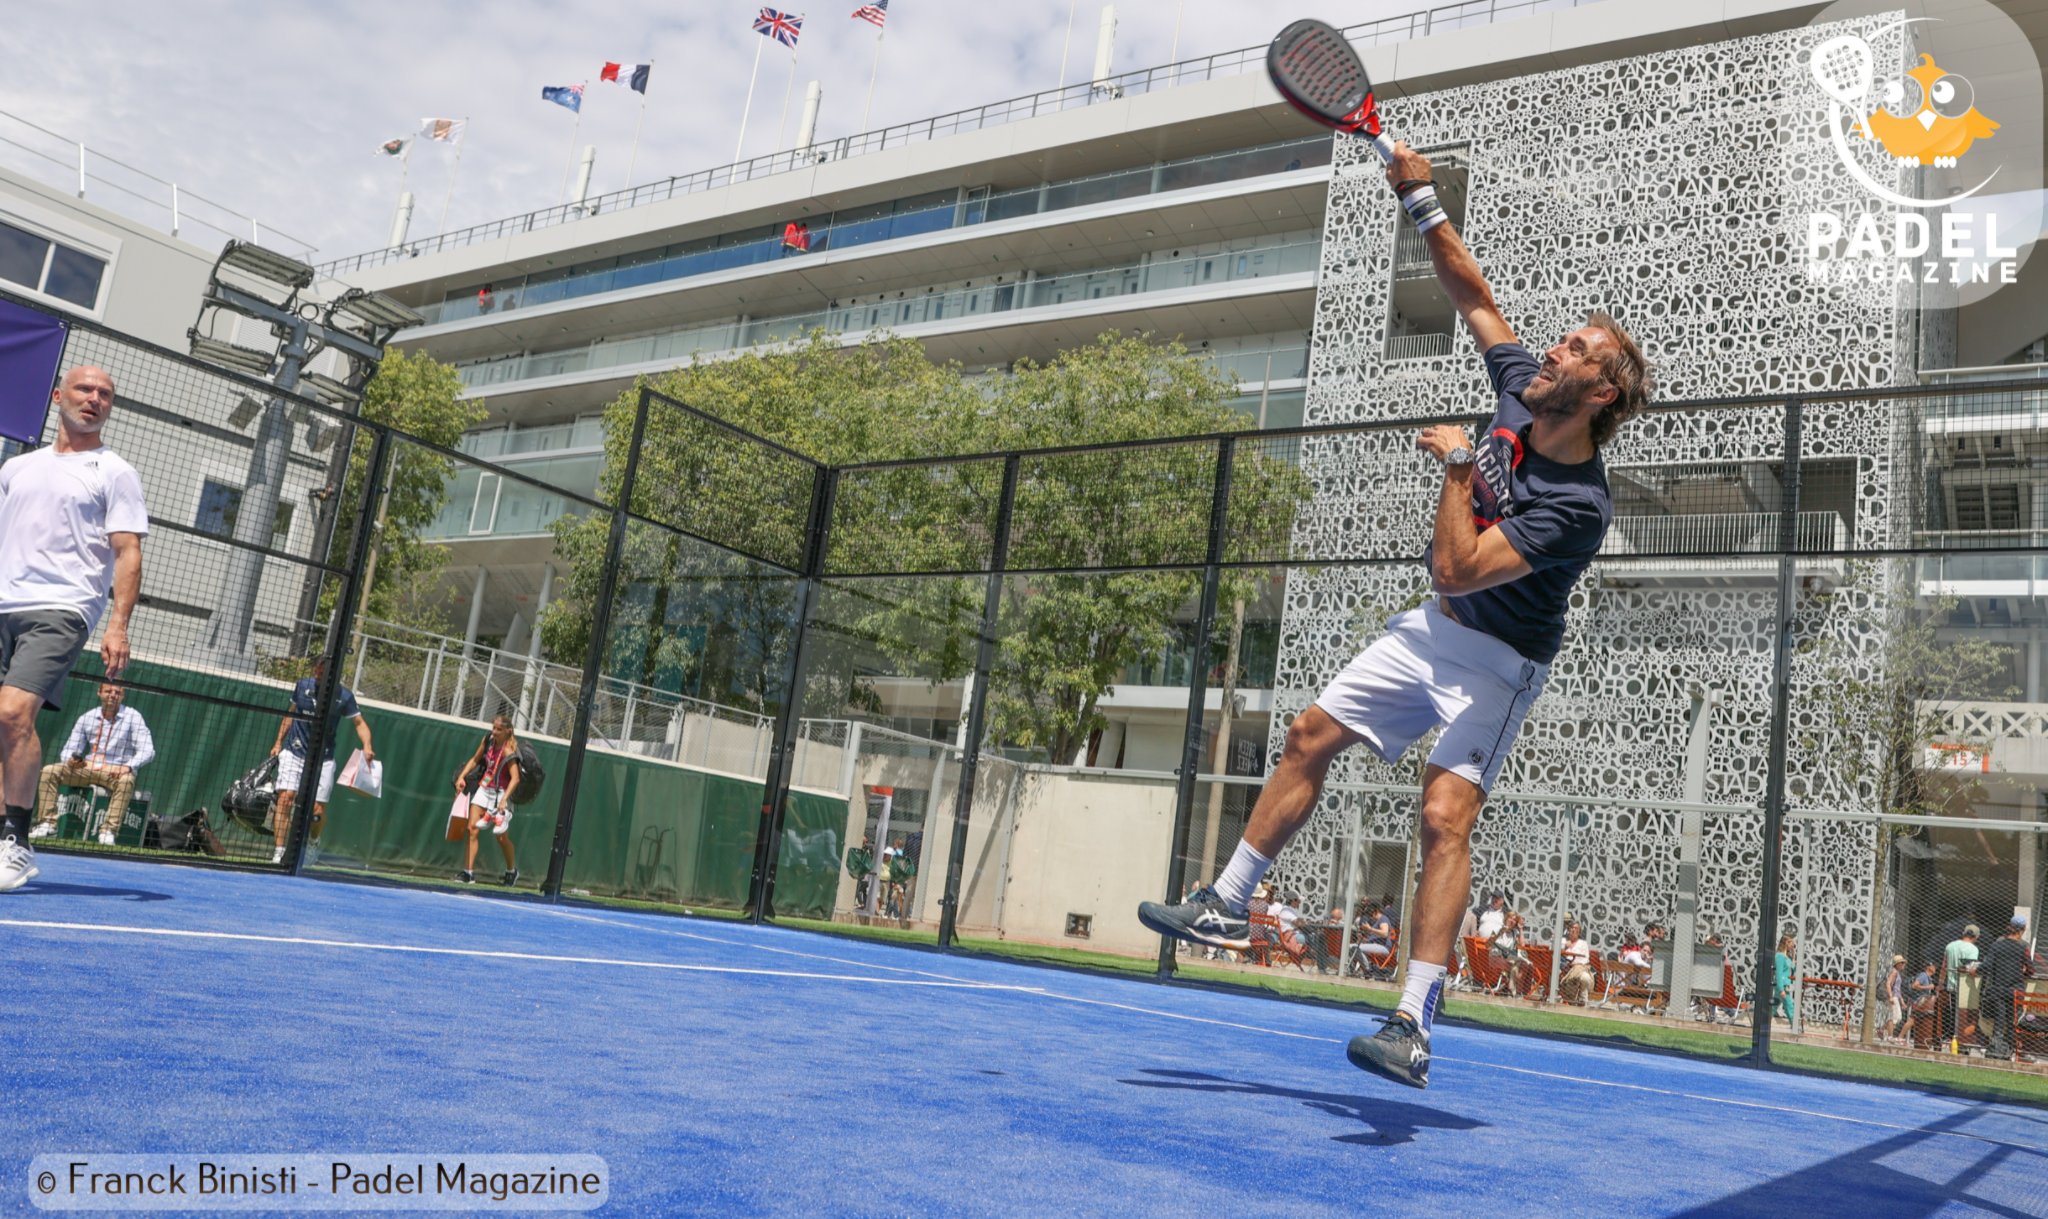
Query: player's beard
[[76, 421], [1560, 395]]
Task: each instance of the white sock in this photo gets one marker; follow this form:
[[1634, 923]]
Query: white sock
[[1419, 997], [1247, 868]]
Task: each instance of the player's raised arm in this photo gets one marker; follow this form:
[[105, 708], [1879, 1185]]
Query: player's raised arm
[[1409, 172]]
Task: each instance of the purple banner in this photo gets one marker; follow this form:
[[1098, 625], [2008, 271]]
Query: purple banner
[[31, 344]]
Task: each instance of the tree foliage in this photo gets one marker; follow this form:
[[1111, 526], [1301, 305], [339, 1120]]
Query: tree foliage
[[687, 616], [419, 396], [1876, 718]]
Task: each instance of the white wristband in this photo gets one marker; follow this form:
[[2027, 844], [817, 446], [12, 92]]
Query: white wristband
[[1422, 208]]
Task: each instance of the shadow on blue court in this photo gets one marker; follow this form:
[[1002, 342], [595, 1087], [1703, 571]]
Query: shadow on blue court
[[731, 1069]]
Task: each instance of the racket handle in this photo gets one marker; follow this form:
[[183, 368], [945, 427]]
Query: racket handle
[[1383, 145]]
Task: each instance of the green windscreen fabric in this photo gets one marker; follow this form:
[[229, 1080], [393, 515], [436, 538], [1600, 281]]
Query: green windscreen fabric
[[645, 829]]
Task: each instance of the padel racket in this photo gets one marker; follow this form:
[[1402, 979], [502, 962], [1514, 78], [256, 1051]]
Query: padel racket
[[1315, 69], [1319, 74]]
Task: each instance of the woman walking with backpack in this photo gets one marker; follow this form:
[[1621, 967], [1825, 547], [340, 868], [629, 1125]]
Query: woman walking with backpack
[[496, 762]]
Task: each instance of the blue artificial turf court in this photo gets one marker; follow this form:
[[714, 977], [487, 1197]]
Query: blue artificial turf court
[[737, 1070]]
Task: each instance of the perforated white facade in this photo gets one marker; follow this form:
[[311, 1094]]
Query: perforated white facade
[[1690, 243]]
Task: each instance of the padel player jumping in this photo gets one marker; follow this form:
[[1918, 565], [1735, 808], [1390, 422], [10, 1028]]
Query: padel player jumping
[[1521, 514]]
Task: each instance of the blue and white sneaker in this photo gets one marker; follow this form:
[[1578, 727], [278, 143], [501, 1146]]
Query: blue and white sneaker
[[1399, 1051], [1202, 919]]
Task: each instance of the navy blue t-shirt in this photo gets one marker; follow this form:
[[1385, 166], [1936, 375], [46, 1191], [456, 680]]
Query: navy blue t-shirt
[[306, 703], [1554, 514]]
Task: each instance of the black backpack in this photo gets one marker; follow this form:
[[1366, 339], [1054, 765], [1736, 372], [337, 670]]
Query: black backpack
[[248, 799], [531, 773]]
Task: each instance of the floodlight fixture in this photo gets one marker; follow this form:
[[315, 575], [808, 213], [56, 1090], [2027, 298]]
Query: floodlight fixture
[[245, 413], [326, 389], [232, 355], [376, 309], [265, 264]]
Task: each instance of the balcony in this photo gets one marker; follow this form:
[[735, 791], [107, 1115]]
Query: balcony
[[677, 346], [1981, 570], [499, 443], [1743, 546], [483, 504], [705, 256]]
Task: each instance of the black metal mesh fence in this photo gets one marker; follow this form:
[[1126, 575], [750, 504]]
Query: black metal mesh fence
[[1006, 696]]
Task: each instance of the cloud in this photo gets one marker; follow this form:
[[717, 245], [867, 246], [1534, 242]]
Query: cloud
[[276, 110]]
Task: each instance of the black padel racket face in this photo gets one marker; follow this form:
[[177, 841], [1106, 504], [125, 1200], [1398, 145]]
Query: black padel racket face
[[1319, 74]]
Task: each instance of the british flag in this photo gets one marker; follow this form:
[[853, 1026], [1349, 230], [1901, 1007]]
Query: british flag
[[878, 12], [782, 27]]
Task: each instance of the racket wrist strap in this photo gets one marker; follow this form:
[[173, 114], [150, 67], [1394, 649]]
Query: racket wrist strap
[[1423, 208]]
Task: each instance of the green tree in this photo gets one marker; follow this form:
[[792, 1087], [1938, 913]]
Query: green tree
[[420, 396], [1885, 707], [1064, 638]]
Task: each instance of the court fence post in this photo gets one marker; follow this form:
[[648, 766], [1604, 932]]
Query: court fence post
[[1198, 693], [977, 706], [339, 627], [593, 657], [782, 750], [1765, 975]]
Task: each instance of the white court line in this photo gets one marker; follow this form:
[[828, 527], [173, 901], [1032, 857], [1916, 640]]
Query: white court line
[[502, 955], [712, 939], [1033, 991]]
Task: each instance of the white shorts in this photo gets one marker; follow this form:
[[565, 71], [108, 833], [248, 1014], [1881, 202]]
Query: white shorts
[[492, 801], [291, 768], [1429, 670]]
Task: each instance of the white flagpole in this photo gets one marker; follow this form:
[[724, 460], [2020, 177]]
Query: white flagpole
[[453, 169], [872, 74], [574, 131], [633, 157], [782, 124], [1067, 46], [748, 109]]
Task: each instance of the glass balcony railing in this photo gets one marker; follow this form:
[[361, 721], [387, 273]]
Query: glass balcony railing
[[678, 345], [506, 442], [483, 503], [741, 250]]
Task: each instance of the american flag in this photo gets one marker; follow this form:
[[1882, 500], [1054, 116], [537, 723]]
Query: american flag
[[878, 12], [782, 27]]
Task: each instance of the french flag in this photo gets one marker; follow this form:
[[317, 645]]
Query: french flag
[[632, 75]]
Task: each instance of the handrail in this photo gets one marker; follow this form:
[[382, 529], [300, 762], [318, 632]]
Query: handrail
[[172, 202], [1399, 28]]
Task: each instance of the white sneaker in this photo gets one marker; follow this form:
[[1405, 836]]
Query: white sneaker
[[17, 864], [41, 831], [106, 839], [312, 855], [277, 856]]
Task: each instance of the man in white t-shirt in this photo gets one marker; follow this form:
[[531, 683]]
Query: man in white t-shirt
[[72, 521]]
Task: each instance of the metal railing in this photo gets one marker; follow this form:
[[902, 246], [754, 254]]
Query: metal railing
[[136, 193], [1415, 346], [1142, 277], [1722, 533], [434, 673], [1404, 27], [668, 264]]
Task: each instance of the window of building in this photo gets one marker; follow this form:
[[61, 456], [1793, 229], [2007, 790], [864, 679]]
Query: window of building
[[220, 504], [32, 261], [1421, 319]]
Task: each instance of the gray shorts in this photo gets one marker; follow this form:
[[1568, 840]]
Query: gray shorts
[[38, 648]]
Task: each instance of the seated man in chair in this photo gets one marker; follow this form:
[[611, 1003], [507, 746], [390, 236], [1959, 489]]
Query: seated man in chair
[[106, 747]]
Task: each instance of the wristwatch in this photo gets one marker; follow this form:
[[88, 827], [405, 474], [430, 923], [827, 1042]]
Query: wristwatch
[[1460, 456]]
